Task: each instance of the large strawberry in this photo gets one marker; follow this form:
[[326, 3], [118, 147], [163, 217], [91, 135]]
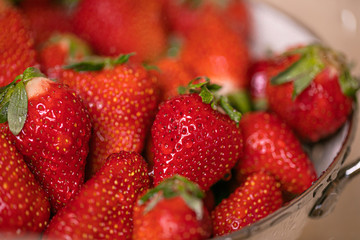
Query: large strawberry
[[16, 45], [256, 198], [172, 210], [121, 97], [223, 59], [24, 205], [51, 128], [192, 139], [103, 208], [271, 146], [311, 88], [114, 27]]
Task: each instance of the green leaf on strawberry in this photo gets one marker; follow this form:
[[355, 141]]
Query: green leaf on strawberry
[[314, 58], [207, 92], [172, 187], [96, 63], [14, 100]]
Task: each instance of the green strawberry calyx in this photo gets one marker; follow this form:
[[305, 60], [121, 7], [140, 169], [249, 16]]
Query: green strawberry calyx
[[97, 63], [314, 58], [207, 92], [14, 100], [175, 186]]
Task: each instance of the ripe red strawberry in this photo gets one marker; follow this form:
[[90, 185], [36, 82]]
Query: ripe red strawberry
[[271, 146], [114, 27], [46, 18], [312, 90], [103, 208], [257, 197], [122, 98], [51, 128], [171, 75], [16, 45], [192, 139], [172, 210], [24, 207], [60, 50], [223, 59]]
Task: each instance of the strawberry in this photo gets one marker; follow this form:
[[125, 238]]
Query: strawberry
[[172, 210], [103, 208], [24, 205], [46, 18], [312, 90], [121, 97], [257, 73], [51, 128], [192, 139], [16, 45], [114, 27], [257, 197], [271, 146], [171, 75], [60, 50], [223, 59]]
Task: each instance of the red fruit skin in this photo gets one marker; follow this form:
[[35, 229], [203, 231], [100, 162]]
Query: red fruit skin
[[183, 16], [55, 140], [195, 141], [257, 197], [271, 146], [257, 73], [170, 219], [171, 75], [46, 18], [104, 206], [115, 27], [16, 45], [319, 111], [24, 205], [223, 59], [121, 102]]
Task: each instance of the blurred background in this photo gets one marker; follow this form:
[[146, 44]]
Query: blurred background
[[337, 23]]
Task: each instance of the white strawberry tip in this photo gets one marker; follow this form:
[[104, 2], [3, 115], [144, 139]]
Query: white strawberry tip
[[37, 86]]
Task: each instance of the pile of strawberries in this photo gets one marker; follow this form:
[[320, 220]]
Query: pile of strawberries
[[150, 119]]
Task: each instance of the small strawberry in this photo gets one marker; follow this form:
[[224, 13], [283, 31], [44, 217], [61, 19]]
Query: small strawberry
[[271, 146], [51, 128], [172, 210], [24, 206], [223, 59], [257, 197], [46, 18], [103, 208], [114, 27], [16, 45], [60, 50], [121, 97], [257, 74], [312, 90], [192, 139]]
